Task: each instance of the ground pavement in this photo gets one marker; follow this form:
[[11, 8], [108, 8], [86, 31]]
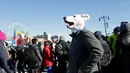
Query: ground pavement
[[17, 72]]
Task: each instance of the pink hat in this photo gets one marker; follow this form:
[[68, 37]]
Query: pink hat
[[2, 36]]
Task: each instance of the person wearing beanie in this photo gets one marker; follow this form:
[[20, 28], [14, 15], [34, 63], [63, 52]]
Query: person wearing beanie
[[112, 40], [4, 57]]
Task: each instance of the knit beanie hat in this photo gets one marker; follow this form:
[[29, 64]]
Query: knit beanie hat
[[2, 36]]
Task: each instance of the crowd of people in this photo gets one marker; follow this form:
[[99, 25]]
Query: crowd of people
[[32, 58], [54, 57]]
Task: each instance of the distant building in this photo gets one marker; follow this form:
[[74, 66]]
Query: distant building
[[45, 36]]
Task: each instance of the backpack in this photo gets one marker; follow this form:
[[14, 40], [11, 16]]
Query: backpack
[[31, 56], [20, 53], [62, 50]]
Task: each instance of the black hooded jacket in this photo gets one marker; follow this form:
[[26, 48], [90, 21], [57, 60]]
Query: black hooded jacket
[[105, 60], [85, 52], [33, 55], [123, 44]]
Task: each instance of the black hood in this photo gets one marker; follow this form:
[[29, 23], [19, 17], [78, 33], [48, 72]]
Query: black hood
[[125, 28], [98, 35]]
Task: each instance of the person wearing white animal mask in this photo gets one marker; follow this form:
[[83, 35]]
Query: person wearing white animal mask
[[85, 49]]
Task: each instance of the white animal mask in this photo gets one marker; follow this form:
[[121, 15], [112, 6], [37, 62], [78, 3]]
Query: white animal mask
[[76, 22]]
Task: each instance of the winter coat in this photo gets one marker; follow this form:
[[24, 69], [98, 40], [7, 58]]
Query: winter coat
[[105, 60], [123, 45], [47, 57], [36, 48], [34, 57], [3, 51], [112, 42], [85, 52], [4, 58]]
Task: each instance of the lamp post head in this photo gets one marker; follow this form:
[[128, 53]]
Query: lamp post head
[[108, 18], [99, 19]]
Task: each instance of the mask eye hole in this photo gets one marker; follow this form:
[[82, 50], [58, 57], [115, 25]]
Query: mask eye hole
[[74, 16]]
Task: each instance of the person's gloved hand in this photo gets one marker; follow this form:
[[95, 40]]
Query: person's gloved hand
[[79, 71]]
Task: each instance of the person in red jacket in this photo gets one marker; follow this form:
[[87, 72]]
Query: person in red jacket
[[47, 57]]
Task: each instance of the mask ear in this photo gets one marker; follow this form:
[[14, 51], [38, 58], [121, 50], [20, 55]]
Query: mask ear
[[85, 16]]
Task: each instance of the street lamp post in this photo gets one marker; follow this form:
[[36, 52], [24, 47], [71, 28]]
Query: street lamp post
[[104, 18]]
